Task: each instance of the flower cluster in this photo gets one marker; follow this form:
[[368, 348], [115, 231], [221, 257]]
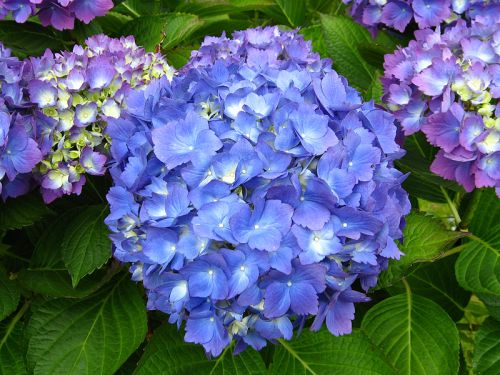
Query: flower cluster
[[19, 149], [60, 14], [426, 13], [71, 96], [447, 85], [255, 190]]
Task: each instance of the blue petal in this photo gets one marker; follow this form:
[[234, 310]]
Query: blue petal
[[303, 299], [276, 300]]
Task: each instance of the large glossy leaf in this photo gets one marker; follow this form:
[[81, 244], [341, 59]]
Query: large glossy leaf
[[318, 353], [179, 56], [478, 266], [178, 27], [147, 31], [23, 211], [85, 246], [342, 38], [9, 296], [47, 273], [425, 240], [294, 10], [29, 39], [141, 7], [91, 336], [12, 350], [168, 30], [487, 348], [437, 282], [415, 334], [168, 354], [57, 282]]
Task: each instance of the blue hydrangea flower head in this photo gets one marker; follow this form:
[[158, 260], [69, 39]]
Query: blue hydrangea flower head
[[253, 191]]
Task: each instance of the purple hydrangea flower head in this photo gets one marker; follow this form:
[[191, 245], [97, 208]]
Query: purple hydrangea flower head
[[399, 14], [20, 150], [64, 101], [60, 14], [252, 190], [79, 91], [447, 85]]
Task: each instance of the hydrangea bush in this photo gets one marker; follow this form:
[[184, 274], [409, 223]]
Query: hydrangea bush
[[447, 85], [60, 14], [66, 99], [254, 190], [249, 211], [399, 14]]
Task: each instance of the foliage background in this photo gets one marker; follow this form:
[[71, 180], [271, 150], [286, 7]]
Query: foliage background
[[67, 308]]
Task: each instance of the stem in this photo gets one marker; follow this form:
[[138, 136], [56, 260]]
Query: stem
[[407, 286], [95, 189], [471, 208], [452, 251], [452, 206], [338, 9], [13, 256], [14, 321], [420, 149]]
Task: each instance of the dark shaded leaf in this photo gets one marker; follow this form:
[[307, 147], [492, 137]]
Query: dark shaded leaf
[[94, 335], [168, 354]]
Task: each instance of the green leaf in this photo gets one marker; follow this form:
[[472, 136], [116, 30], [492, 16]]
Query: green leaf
[[85, 244], [342, 38], [12, 350], [478, 266], [178, 57], [422, 183], [486, 214], [207, 8], [178, 27], [415, 334], [294, 10], [487, 351], [138, 8], [147, 31], [94, 335], [28, 39], [83, 31], [492, 303], [425, 240], [166, 30], [22, 212], [9, 296], [47, 273], [57, 282], [375, 90], [437, 282], [113, 22], [322, 353], [168, 354]]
